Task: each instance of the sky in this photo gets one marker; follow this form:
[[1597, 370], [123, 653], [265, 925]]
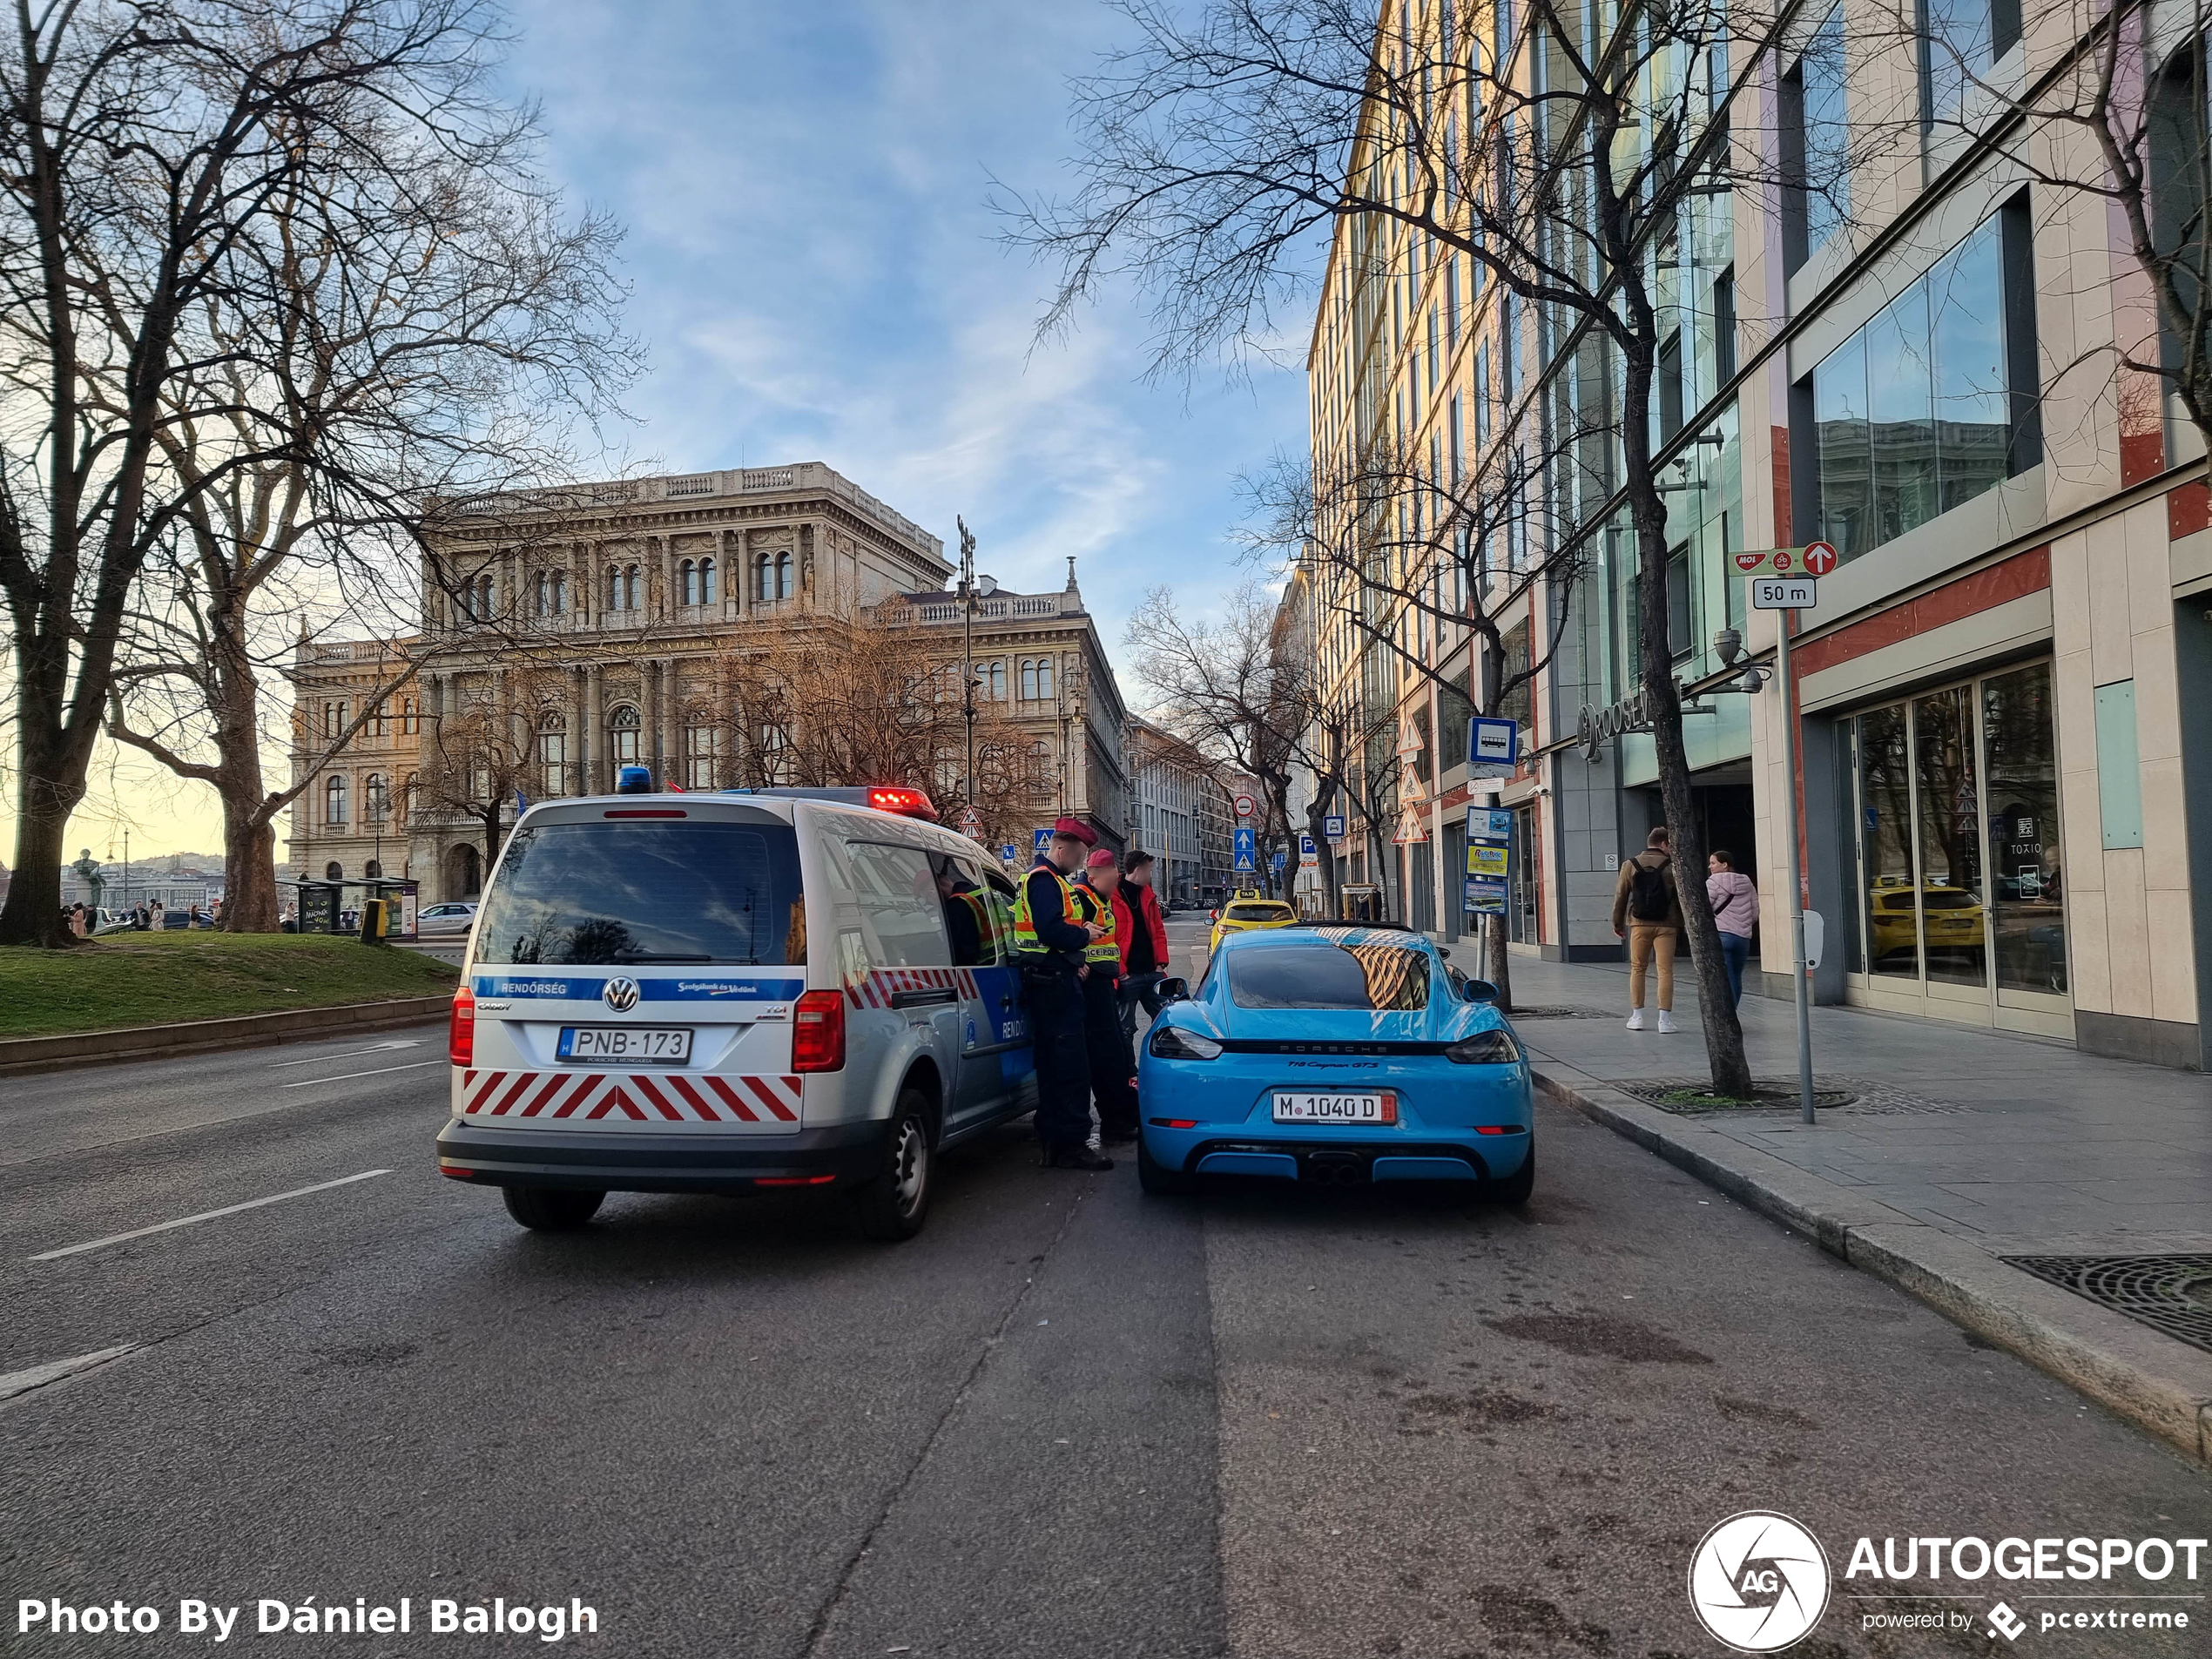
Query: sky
[[817, 276]]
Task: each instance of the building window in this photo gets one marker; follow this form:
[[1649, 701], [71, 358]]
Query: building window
[[784, 570], [614, 587], [1961, 41], [1028, 680], [484, 597], [334, 800], [1815, 145], [998, 682], [689, 573], [334, 718], [623, 732], [375, 798], [702, 752], [552, 755], [379, 723], [544, 585], [1931, 404], [1481, 395], [333, 871], [374, 869], [630, 587], [410, 718], [707, 593]]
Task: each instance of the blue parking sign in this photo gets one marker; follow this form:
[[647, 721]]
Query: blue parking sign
[[1305, 846], [1333, 826]]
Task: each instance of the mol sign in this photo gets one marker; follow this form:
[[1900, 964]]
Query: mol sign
[[1816, 558]]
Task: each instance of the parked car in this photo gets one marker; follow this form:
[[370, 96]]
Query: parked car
[[1332, 1055], [454, 916], [734, 994], [1246, 912]]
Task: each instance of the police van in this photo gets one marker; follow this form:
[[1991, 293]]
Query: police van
[[738, 992]]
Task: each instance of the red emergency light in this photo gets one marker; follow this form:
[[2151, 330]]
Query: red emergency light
[[908, 803]]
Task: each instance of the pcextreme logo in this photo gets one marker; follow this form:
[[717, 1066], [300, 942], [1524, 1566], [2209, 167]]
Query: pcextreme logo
[[1759, 1581]]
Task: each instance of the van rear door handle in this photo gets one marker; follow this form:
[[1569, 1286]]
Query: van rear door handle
[[918, 999]]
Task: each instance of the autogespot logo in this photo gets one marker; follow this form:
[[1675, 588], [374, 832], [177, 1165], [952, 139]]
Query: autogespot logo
[[621, 995], [1759, 1581]]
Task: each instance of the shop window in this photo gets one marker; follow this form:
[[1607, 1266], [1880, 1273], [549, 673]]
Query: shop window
[[2026, 871], [1953, 931]]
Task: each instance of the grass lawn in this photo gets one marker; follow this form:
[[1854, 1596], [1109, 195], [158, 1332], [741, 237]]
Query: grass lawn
[[150, 979]]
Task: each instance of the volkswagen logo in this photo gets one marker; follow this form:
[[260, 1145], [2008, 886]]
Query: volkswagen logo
[[1759, 1581], [621, 995]]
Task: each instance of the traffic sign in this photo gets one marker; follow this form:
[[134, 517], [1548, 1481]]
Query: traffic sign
[[1044, 839], [1816, 558], [1006, 852], [1493, 745], [1333, 826], [1278, 861], [1784, 593], [1305, 846], [1247, 838], [1246, 806], [1820, 558]]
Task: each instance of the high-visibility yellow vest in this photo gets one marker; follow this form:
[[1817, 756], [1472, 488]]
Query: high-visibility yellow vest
[[1108, 947], [987, 941], [1025, 925]]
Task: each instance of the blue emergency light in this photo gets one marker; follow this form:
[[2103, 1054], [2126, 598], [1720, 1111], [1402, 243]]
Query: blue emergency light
[[633, 780]]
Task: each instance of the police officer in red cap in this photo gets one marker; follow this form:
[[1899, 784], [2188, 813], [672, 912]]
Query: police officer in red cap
[[1050, 942]]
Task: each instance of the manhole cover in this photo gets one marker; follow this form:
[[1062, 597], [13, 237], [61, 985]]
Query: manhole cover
[[2169, 1293]]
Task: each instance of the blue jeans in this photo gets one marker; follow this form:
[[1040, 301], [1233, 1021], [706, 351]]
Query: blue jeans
[[1735, 950], [1136, 988]]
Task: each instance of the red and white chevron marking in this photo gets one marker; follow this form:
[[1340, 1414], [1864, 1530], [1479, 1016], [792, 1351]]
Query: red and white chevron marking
[[676, 1097], [875, 988]]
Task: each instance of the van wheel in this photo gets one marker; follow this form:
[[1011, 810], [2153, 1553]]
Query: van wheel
[[1158, 1180], [1513, 1191], [552, 1210], [891, 1204]]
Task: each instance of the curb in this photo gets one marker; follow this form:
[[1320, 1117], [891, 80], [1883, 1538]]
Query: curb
[[2161, 1385], [21, 1055]]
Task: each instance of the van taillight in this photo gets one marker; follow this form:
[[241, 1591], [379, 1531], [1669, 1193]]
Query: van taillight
[[818, 1032], [460, 1033]]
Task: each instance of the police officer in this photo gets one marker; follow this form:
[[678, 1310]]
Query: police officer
[[1113, 1071], [1050, 943]]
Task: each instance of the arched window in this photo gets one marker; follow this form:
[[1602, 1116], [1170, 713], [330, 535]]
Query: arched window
[[376, 800], [552, 754], [998, 682], [332, 871], [1044, 678], [544, 585], [373, 869], [484, 597], [614, 587], [622, 735], [629, 588], [763, 579], [560, 593], [691, 582], [1028, 680], [707, 594], [783, 575], [333, 801]]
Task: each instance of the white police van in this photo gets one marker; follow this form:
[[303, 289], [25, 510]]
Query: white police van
[[733, 993]]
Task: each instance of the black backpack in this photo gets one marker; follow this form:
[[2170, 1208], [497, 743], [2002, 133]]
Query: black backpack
[[1649, 898]]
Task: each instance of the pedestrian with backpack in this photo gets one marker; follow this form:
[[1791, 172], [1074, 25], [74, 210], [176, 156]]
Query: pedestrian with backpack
[[1647, 912]]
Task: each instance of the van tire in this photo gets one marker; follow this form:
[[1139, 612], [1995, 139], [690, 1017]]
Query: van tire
[[1158, 1180], [552, 1210], [1513, 1191], [891, 1204]]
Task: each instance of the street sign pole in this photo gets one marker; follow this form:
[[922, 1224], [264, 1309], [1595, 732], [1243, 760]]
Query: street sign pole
[[1803, 990]]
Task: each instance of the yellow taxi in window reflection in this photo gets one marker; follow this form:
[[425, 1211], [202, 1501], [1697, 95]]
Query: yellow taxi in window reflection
[[1954, 918], [1245, 913]]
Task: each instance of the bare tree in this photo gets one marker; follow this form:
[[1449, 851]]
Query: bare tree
[[483, 755], [151, 150], [1560, 152], [419, 357]]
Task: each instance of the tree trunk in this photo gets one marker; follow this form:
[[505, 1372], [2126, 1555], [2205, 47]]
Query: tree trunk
[[48, 788], [250, 898], [1732, 1073], [1499, 959], [1499, 964]]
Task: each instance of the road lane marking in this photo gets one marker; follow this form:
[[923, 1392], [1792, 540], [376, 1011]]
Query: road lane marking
[[374, 1048], [347, 1076], [22, 1382], [209, 1215]]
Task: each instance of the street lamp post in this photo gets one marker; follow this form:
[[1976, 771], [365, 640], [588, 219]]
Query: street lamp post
[[973, 589]]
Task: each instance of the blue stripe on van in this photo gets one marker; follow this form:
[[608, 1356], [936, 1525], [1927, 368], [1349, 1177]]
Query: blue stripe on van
[[651, 990]]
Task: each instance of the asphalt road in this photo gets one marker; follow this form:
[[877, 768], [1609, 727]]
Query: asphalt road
[[1066, 1420]]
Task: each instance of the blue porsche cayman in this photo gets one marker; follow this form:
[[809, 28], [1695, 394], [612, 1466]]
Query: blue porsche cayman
[[1335, 1054]]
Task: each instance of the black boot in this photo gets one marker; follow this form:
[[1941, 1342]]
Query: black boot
[[1077, 1158]]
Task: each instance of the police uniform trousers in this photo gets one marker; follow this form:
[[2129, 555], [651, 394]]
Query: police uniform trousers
[[1113, 1068], [1056, 1004]]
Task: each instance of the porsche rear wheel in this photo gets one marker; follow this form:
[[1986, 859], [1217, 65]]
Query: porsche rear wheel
[[1513, 1191], [1158, 1180]]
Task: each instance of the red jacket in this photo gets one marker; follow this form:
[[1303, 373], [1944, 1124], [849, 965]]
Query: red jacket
[[1125, 927]]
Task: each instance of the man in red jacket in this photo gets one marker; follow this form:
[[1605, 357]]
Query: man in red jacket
[[1143, 934]]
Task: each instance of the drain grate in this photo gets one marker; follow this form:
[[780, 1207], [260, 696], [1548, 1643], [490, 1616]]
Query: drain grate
[[2169, 1293], [1856, 1095]]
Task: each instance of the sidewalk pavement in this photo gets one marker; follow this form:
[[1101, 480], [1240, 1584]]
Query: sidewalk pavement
[[1965, 1148]]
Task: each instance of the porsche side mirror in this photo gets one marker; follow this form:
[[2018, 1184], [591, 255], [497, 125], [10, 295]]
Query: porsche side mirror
[[1175, 990], [1480, 990]]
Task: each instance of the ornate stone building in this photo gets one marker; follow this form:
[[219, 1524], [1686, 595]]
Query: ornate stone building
[[587, 622]]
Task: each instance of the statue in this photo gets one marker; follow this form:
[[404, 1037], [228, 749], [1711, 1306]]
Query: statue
[[88, 872]]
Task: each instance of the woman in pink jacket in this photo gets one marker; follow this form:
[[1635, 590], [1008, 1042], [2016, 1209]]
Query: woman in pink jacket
[[1735, 899]]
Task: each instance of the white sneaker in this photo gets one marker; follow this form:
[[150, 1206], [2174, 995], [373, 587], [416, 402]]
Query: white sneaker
[[1635, 1019], [1666, 1021]]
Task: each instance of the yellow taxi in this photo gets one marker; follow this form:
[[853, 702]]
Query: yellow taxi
[[1245, 913]]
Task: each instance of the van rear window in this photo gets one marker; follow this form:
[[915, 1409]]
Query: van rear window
[[697, 891]]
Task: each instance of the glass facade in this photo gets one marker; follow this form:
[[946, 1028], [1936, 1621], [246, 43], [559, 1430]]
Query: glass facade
[[1912, 414], [1951, 807]]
